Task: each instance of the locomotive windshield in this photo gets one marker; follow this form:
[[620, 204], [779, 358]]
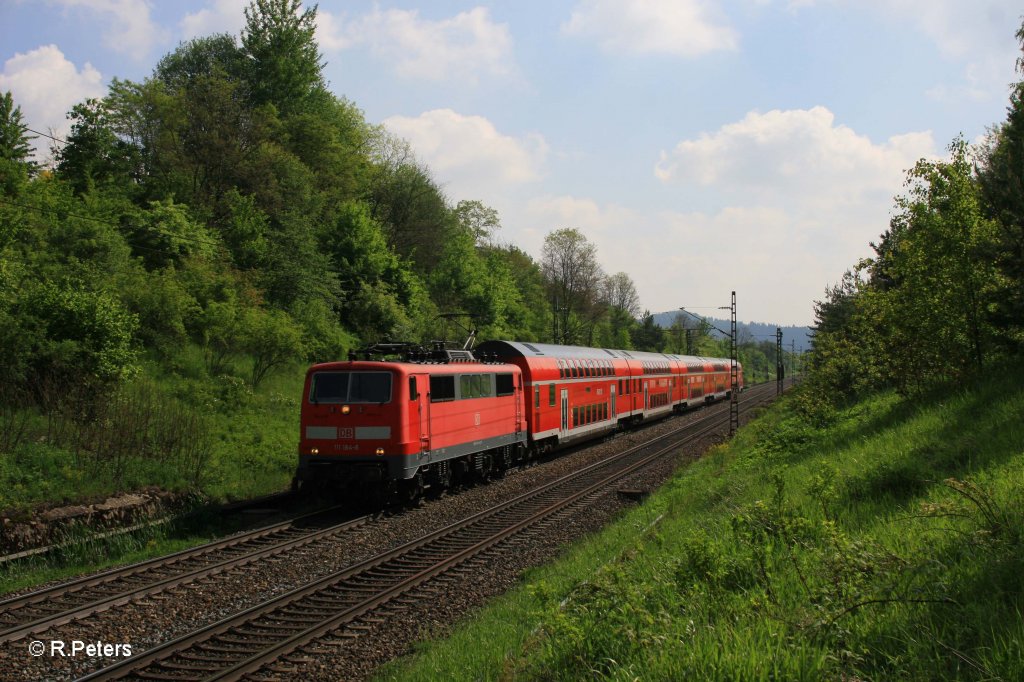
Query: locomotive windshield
[[350, 387]]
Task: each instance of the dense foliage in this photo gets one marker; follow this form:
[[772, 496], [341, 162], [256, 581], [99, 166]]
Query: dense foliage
[[944, 294], [885, 546], [229, 217]]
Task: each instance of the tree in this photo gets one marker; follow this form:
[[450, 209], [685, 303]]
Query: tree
[[623, 309], [413, 211], [284, 61], [573, 278], [479, 220], [78, 336], [205, 57], [15, 146], [526, 314], [1001, 178], [272, 338], [933, 315], [165, 234], [332, 139], [94, 155], [648, 335]]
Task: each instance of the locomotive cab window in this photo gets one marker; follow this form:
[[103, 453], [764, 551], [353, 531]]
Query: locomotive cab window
[[413, 393], [475, 386], [442, 389], [551, 395], [350, 387], [503, 385]]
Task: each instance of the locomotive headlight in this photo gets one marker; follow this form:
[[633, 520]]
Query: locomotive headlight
[[345, 409], [380, 451], [314, 451]]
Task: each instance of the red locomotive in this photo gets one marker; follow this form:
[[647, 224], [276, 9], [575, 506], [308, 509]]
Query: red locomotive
[[420, 422]]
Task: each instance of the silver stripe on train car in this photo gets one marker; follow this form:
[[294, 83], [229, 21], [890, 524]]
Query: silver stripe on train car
[[373, 432], [321, 432]]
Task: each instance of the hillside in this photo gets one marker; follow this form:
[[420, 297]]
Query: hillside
[[793, 336], [886, 544]]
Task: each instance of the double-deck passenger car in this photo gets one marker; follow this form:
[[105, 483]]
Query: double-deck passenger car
[[420, 422]]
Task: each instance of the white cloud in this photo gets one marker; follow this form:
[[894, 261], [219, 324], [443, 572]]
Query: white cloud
[[222, 16], [803, 196], [960, 29], [330, 32], [687, 28], [467, 153], [46, 85], [463, 47], [793, 199], [131, 29], [795, 155]]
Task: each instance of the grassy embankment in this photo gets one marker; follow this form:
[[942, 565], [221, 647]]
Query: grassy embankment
[[888, 544], [173, 427]]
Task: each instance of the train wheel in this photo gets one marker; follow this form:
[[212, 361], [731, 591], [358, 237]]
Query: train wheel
[[410, 490], [503, 461], [441, 479]]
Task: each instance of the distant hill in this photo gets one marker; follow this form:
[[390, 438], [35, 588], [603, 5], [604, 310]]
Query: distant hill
[[761, 331]]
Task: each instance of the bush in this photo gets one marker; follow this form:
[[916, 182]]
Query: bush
[[75, 336]]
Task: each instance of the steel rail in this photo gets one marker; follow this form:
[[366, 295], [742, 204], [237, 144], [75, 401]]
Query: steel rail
[[252, 544], [299, 633]]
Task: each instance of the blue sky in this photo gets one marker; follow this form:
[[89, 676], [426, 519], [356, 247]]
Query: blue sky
[[704, 147]]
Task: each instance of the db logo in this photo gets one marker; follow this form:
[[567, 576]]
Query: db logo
[[346, 433]]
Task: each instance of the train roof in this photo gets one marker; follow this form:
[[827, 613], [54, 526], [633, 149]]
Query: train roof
[[512, 349], [411, 367]]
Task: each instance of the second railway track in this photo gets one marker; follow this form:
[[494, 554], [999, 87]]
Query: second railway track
[[37, 611], [346, 603]]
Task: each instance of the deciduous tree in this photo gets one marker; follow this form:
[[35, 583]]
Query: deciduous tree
[[573, 277]]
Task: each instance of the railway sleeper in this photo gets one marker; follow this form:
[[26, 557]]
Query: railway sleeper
[[255, 630], [208, 668], [353, 587], [248, 641], [300, 611], [325, 602], [309, 619], [159, 677]]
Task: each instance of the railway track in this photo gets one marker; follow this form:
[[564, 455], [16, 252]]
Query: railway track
[[341, 606], [37, 611]]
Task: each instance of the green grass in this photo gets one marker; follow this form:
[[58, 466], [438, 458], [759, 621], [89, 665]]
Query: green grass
[[887, 545], [246, 448], [245, 440], [79, 552]]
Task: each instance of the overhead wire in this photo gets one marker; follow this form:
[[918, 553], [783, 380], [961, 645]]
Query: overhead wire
[[55, 139]]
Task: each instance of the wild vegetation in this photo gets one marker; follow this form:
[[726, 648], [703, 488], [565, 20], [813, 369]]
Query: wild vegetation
[[202, 235], [944, 294], [226, 221], [868, 527], [886, 545]]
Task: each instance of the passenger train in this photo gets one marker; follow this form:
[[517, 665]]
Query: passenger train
[[434, 418]]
